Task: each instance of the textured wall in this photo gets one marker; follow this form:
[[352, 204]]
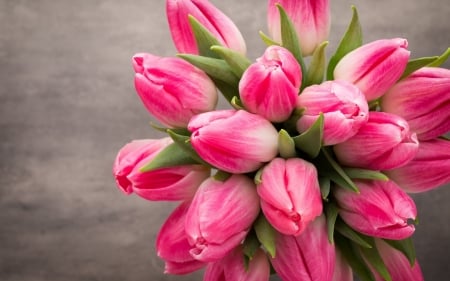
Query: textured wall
[[67, 104]]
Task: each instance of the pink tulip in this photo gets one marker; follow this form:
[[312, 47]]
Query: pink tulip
[[422, 99], [220, 216], [172, 244], [216, 22], [173, 90], [342, 270], [290, 194], [172, 183], [383, 143], [428, 170], [381, 209], [343, 105], [308, 257], [311, 19], [374, 67], [234, 141]]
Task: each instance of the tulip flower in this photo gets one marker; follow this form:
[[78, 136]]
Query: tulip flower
[[380, 209], [307, 257], [428, 170], [214, 20], [172, 89], [374, 67], [342, 270], [172, 244], [423, 100], [311, 19], [384, 142], [270, 86], [171, 183], [234, 141], [290, 194], [343, 105], [220, 216]]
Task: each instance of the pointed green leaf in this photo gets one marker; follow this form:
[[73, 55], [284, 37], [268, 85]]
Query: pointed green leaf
[[356, 173], [204, 38], [228, 91], [316, 68], [331, 211], [416, 64], [236, 103], [310, 141], [257, 179], [325, 187], [267, 40], [373, 257], [266, 234], [441, 59], [286, 145], [352, 39], [237, 62], [184, 143], [251, 245], [222, 176], [354, 236], [172, 155], [406, 246], [180, 131]]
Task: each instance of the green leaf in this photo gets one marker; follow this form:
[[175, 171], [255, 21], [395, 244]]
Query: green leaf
[[416, 64], [373, 257], [406, 246], [441, 59], [356, 173], [222, 176], [266, 234], [172, 155], [331, 211], [316, 69], [236, 103], [286, 145], [237, 62], [204, 38], [310, 141], [354, 236], [251, 245], [325, 187], [267, 40], [228, 91], [352, 39], [184, 143]]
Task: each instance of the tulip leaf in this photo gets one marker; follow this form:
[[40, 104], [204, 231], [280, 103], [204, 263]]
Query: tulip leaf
[[310, 141], [354, 236], [351, 40], [406, 246], [172, 155], [237, 62], [266, 234], [373, 257], [204, 38], [184, 143], [416, 64], [356, 173], [267, 40], [325, 187], [180, 131], [222, 176], [286, 145], [228, 91], [441, 59], [257, 179], [331, 211], [316, 68], [250, 246], [236, 103]]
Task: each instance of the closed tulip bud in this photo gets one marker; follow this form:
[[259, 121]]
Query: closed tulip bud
[[384, 142], [220, 216], [234, 141], [172, 244], [290, 194], [307, 257], [422, 99], [343, 105], [270, 86], [172, 183], [342, 270], [214, 20], [374, 67], [428, 170], [311, 19], [381, 209], [173, 90]]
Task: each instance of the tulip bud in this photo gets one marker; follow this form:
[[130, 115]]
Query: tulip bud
[[311, 19], [270, 86], [343, 105], [290, 194], [383, 143], [234, 141], [374, 67], [214, 20], [307, 257], [172, 244], [342, 270], [423, 100], [381, 209], [173, 90], [220, 216], [172, 183], [428, 170]]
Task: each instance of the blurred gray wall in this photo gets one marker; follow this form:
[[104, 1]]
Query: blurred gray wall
[[67, 104]]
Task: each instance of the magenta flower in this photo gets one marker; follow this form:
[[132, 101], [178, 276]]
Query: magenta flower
[[343, 105], [307, 257], [290, 194], [374, 67], [381, 209], [234, 141], [220, 216], [173, 90], [209, 16], [311, 19], [270, 86], [423, 100], [172, 183], [428, 170], [383, 143]]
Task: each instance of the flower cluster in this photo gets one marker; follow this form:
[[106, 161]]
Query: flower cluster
[[307, 174]]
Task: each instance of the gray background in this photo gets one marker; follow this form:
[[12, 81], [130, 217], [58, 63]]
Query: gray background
[[67, 104]]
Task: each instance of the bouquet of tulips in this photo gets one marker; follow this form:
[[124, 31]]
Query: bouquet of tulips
[[306, 175]]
